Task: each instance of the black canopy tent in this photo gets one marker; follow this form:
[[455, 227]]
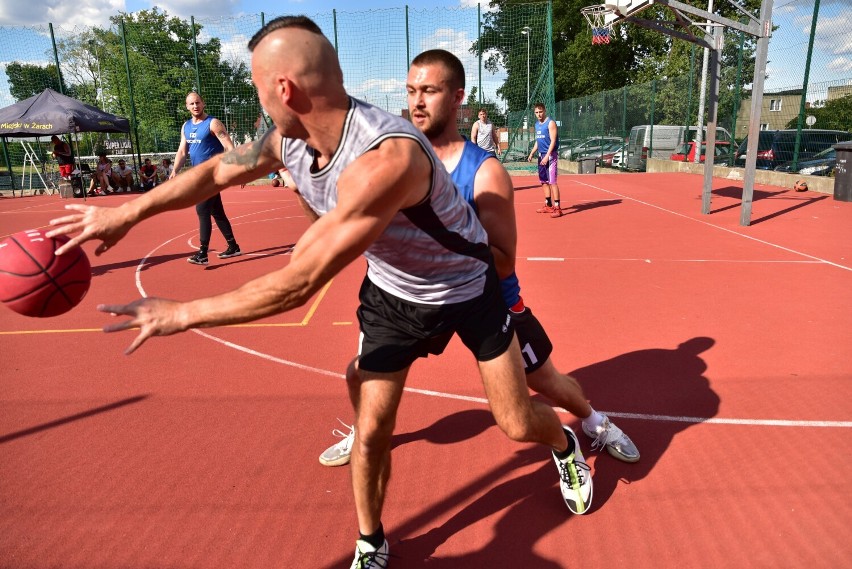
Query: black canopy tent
[[50, 113]]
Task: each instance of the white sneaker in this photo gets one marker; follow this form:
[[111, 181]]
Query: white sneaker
[[339, 454], [368, 557], [616, 442], [575, 477]]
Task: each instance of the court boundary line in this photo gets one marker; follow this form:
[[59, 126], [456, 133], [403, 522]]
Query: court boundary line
[[707, 223], [482, 400]]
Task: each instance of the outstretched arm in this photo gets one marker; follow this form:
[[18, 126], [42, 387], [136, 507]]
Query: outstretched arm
[[110, 225], [370, 192]]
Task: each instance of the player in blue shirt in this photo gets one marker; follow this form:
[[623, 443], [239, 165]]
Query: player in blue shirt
[[203, 137], [546, 144]]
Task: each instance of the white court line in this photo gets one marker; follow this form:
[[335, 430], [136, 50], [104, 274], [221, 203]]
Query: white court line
[[821, 260], [481, 400]]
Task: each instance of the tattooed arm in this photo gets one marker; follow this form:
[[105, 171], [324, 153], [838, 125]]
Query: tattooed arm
[[239, 166]]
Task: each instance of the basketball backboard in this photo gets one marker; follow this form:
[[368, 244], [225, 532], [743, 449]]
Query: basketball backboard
[[622, 9]]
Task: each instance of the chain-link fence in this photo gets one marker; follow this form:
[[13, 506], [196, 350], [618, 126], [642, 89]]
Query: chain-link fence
[[142, 65], [808, 92]]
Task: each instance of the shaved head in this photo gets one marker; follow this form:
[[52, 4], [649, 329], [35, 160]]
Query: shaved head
[[296, 46], [296, 72]]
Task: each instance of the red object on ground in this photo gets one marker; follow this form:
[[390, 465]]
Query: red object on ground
[[36, 282]]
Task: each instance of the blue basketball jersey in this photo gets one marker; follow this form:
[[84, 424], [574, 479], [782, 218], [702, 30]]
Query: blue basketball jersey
[[542, 135], [202, 143], [463, 176]]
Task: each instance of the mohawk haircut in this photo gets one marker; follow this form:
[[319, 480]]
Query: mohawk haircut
[[301, 22]]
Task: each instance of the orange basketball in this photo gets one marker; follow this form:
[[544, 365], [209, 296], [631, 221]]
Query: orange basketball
[[36, 282], [800, 186]]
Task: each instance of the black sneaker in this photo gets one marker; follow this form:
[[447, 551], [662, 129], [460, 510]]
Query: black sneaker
[[199, 258], [231, 251]]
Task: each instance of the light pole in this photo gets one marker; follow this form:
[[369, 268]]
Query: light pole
[[527, 31]]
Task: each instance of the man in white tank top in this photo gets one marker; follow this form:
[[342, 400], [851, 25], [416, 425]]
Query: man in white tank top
[[484, 134], [373, 186]]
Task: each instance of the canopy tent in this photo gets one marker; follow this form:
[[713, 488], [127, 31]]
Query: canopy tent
[[50, 113]]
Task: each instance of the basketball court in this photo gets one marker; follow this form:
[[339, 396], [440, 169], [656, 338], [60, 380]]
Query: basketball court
[[722, 350]]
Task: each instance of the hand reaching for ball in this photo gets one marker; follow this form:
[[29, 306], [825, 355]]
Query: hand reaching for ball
[[108, 224]]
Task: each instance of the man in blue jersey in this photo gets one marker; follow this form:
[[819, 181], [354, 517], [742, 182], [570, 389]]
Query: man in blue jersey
[[435, 93], [546, 145], [376, 188], [203, 137]]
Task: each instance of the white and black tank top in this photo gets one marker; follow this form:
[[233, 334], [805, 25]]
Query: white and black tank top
[[433, 253]]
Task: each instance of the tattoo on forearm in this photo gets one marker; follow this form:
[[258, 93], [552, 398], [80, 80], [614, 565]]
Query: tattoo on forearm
[[248, 154]]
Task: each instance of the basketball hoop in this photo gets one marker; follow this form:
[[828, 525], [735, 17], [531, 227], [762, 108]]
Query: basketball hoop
[[596, 16]]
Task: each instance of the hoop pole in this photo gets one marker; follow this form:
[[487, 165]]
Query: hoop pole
[[760, 56]]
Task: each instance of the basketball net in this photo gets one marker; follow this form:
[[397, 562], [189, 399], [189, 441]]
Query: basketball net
[[596, 16]]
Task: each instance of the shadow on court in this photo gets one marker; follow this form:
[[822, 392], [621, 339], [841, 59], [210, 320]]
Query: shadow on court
[[654, 381], [663, 382], [586, 206], [801, 200], [72, 418], [249, 256], [151, 262]]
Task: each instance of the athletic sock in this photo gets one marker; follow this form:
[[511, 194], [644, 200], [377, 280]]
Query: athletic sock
[[376, 539], [556, 203], [567, 452], [547, 202], [593, 421]]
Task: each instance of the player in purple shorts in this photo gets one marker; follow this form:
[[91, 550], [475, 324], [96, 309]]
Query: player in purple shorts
[[546, 146]]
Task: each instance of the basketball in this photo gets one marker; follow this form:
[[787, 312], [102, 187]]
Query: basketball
[[800, 186], [276, 182], [34, 281]]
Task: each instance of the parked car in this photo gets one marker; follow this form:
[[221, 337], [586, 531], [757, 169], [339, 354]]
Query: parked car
[[605, 158], [588, 145], [619, 158], [822, 164], [666, 140], [686, 152], [776, 147], [607, 148]]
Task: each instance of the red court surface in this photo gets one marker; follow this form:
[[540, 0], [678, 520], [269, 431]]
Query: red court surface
[[723, 351]]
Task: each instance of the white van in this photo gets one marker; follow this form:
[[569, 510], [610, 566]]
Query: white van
[[667, 139]]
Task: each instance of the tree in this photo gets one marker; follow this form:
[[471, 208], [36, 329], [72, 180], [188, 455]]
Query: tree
[[836, 114], [162, 70], [26, 79]]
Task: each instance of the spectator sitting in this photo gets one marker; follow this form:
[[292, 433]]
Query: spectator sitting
[[124, 174], [103, 176], [148, 175], [164, 170]]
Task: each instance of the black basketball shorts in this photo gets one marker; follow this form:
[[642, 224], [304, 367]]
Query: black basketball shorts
[[535, 345], [395, 332]]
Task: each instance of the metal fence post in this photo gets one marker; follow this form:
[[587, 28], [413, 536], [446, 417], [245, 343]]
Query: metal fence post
[[195, 55], [56, 59], [805, 88]]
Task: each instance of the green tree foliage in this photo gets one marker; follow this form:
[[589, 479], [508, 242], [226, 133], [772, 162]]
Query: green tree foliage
[[635, 55], [835, 114], [161, 65], [26, 79]]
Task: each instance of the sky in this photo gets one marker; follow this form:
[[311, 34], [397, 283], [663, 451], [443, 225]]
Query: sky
[[88, 12], [832, 59]]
